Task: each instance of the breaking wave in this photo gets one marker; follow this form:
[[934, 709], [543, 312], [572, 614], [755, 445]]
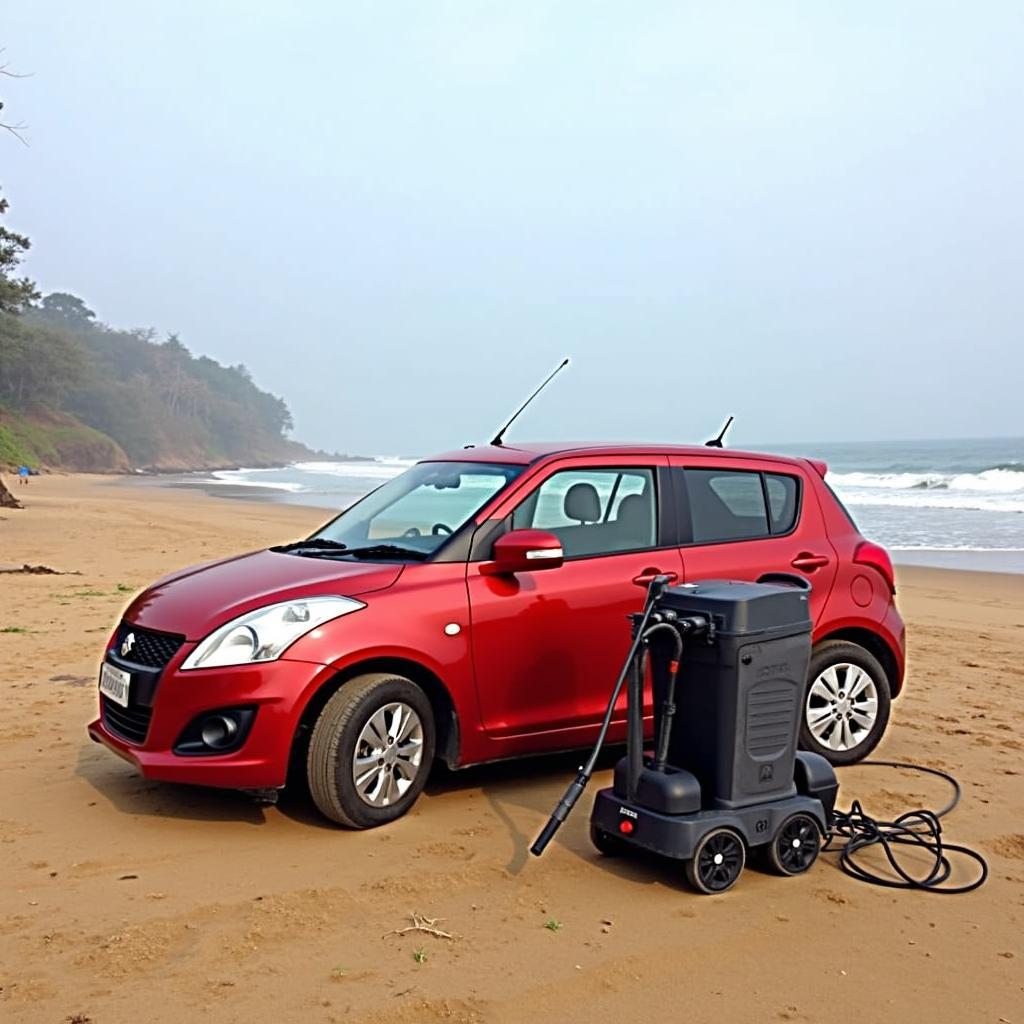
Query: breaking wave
[[997, 489]]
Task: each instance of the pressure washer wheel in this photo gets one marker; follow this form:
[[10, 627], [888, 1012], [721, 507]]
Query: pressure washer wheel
[[606, 843], [796, 845], [717, 861]]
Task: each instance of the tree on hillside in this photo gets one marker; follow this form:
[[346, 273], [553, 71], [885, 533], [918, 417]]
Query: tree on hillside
[[60, 309], [38, 366], [16, 294]]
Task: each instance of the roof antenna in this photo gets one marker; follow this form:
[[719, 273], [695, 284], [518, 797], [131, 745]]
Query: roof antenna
[[716, 442], [501, 433]]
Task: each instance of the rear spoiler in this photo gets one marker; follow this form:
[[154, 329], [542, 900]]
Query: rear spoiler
[[820, 467]]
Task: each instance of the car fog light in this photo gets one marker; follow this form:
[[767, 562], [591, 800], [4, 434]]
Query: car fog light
[[219, 731]]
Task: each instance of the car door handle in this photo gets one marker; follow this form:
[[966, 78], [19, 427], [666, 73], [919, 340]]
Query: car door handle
[[647, 575], [809, 562]]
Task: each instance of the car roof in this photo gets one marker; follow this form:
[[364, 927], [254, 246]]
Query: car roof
[[523, 453]]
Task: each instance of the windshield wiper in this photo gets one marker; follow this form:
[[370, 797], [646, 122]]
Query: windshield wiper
[[312, 544], [375, 550]]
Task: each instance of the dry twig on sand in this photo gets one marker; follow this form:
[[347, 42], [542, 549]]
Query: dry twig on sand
[[423, 924]]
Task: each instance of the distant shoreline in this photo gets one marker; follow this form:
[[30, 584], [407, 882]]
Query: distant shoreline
[[205, 482], [1003, 562]]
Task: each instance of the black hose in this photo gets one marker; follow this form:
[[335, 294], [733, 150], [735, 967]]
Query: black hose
[[920, 829], [668, 707]]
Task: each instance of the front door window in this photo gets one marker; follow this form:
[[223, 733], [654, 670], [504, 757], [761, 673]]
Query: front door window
[[594, 511]]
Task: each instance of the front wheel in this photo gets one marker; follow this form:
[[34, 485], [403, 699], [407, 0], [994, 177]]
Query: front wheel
[[371, 750], [846, 707]]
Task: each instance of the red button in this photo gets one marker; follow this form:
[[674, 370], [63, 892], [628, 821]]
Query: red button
[[626, 827]]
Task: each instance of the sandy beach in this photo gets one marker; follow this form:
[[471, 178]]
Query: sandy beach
[[124, 900]]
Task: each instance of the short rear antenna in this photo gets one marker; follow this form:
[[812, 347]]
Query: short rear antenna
[[716, 442], [551, 376]]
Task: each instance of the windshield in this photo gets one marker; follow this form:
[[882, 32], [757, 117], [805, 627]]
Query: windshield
[[412, 515]]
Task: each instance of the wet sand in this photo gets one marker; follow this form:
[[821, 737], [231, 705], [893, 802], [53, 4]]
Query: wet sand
[[125, 900]]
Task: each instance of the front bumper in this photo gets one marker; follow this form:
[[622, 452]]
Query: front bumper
[[277, 689]]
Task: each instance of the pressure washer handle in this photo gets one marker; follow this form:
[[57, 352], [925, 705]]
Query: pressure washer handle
[[560, 813]]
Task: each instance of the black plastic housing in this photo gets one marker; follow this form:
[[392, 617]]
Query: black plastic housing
[[815, 777], [672, 791], [677, 835], [740, 690]]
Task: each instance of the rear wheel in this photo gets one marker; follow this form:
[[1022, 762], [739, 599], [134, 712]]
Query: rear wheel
[[795, 846], [846, 707], [717, 862], [371, 750]]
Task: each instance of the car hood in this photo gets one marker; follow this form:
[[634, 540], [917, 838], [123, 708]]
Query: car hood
[[196, 601]]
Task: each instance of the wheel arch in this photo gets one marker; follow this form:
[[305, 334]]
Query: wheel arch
[[873, 644], [445, 716]]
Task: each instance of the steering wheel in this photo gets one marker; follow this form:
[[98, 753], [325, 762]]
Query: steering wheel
[[413, 531], [441, 530]]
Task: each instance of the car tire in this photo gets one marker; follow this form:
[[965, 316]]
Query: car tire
[[371, 750], [846, 703]]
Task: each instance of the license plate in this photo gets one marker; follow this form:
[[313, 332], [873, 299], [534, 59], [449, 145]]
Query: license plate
[[115, 684]]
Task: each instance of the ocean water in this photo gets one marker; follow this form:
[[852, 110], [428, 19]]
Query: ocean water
[[947, 503]]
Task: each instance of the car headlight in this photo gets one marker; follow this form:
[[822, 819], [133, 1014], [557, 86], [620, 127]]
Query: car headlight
[[263, 635]]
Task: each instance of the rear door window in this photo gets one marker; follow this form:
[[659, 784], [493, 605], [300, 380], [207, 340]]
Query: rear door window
[[726, 505]]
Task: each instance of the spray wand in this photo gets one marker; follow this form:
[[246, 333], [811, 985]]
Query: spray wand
[[576, 787]]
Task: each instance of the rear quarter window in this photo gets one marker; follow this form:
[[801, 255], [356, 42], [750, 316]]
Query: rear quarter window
[[783, 501]]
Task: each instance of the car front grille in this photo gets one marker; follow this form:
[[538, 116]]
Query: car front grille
[[131, 723], [144, 653], [153, 650]]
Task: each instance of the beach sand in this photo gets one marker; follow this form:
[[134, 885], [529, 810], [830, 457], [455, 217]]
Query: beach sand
[[124, 900]]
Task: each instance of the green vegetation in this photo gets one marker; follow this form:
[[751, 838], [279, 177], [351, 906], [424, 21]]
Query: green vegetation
[[79, 394], [420, 955], [14, 629], [553, 925]]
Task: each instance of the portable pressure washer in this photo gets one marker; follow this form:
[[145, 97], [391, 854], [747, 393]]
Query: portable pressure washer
[[728, 664]]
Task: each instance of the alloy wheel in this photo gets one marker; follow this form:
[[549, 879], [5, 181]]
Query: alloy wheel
[[388, 754], [842, 706]]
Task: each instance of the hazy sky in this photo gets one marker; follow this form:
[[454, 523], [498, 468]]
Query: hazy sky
[[401, 215]]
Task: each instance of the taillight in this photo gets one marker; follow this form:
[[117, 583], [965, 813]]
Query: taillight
[[879, 560]]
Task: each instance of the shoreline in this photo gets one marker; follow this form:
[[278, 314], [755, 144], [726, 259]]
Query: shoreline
[[1002, 562]]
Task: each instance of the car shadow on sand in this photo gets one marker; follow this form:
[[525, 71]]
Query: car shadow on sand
[[534, 784], [119, 783]]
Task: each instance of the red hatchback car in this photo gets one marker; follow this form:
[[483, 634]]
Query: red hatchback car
[[474, 608]]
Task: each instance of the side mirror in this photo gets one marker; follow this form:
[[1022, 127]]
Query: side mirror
[[524, 551]]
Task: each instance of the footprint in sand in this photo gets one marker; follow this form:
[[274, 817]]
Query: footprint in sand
[[1010, 846]]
